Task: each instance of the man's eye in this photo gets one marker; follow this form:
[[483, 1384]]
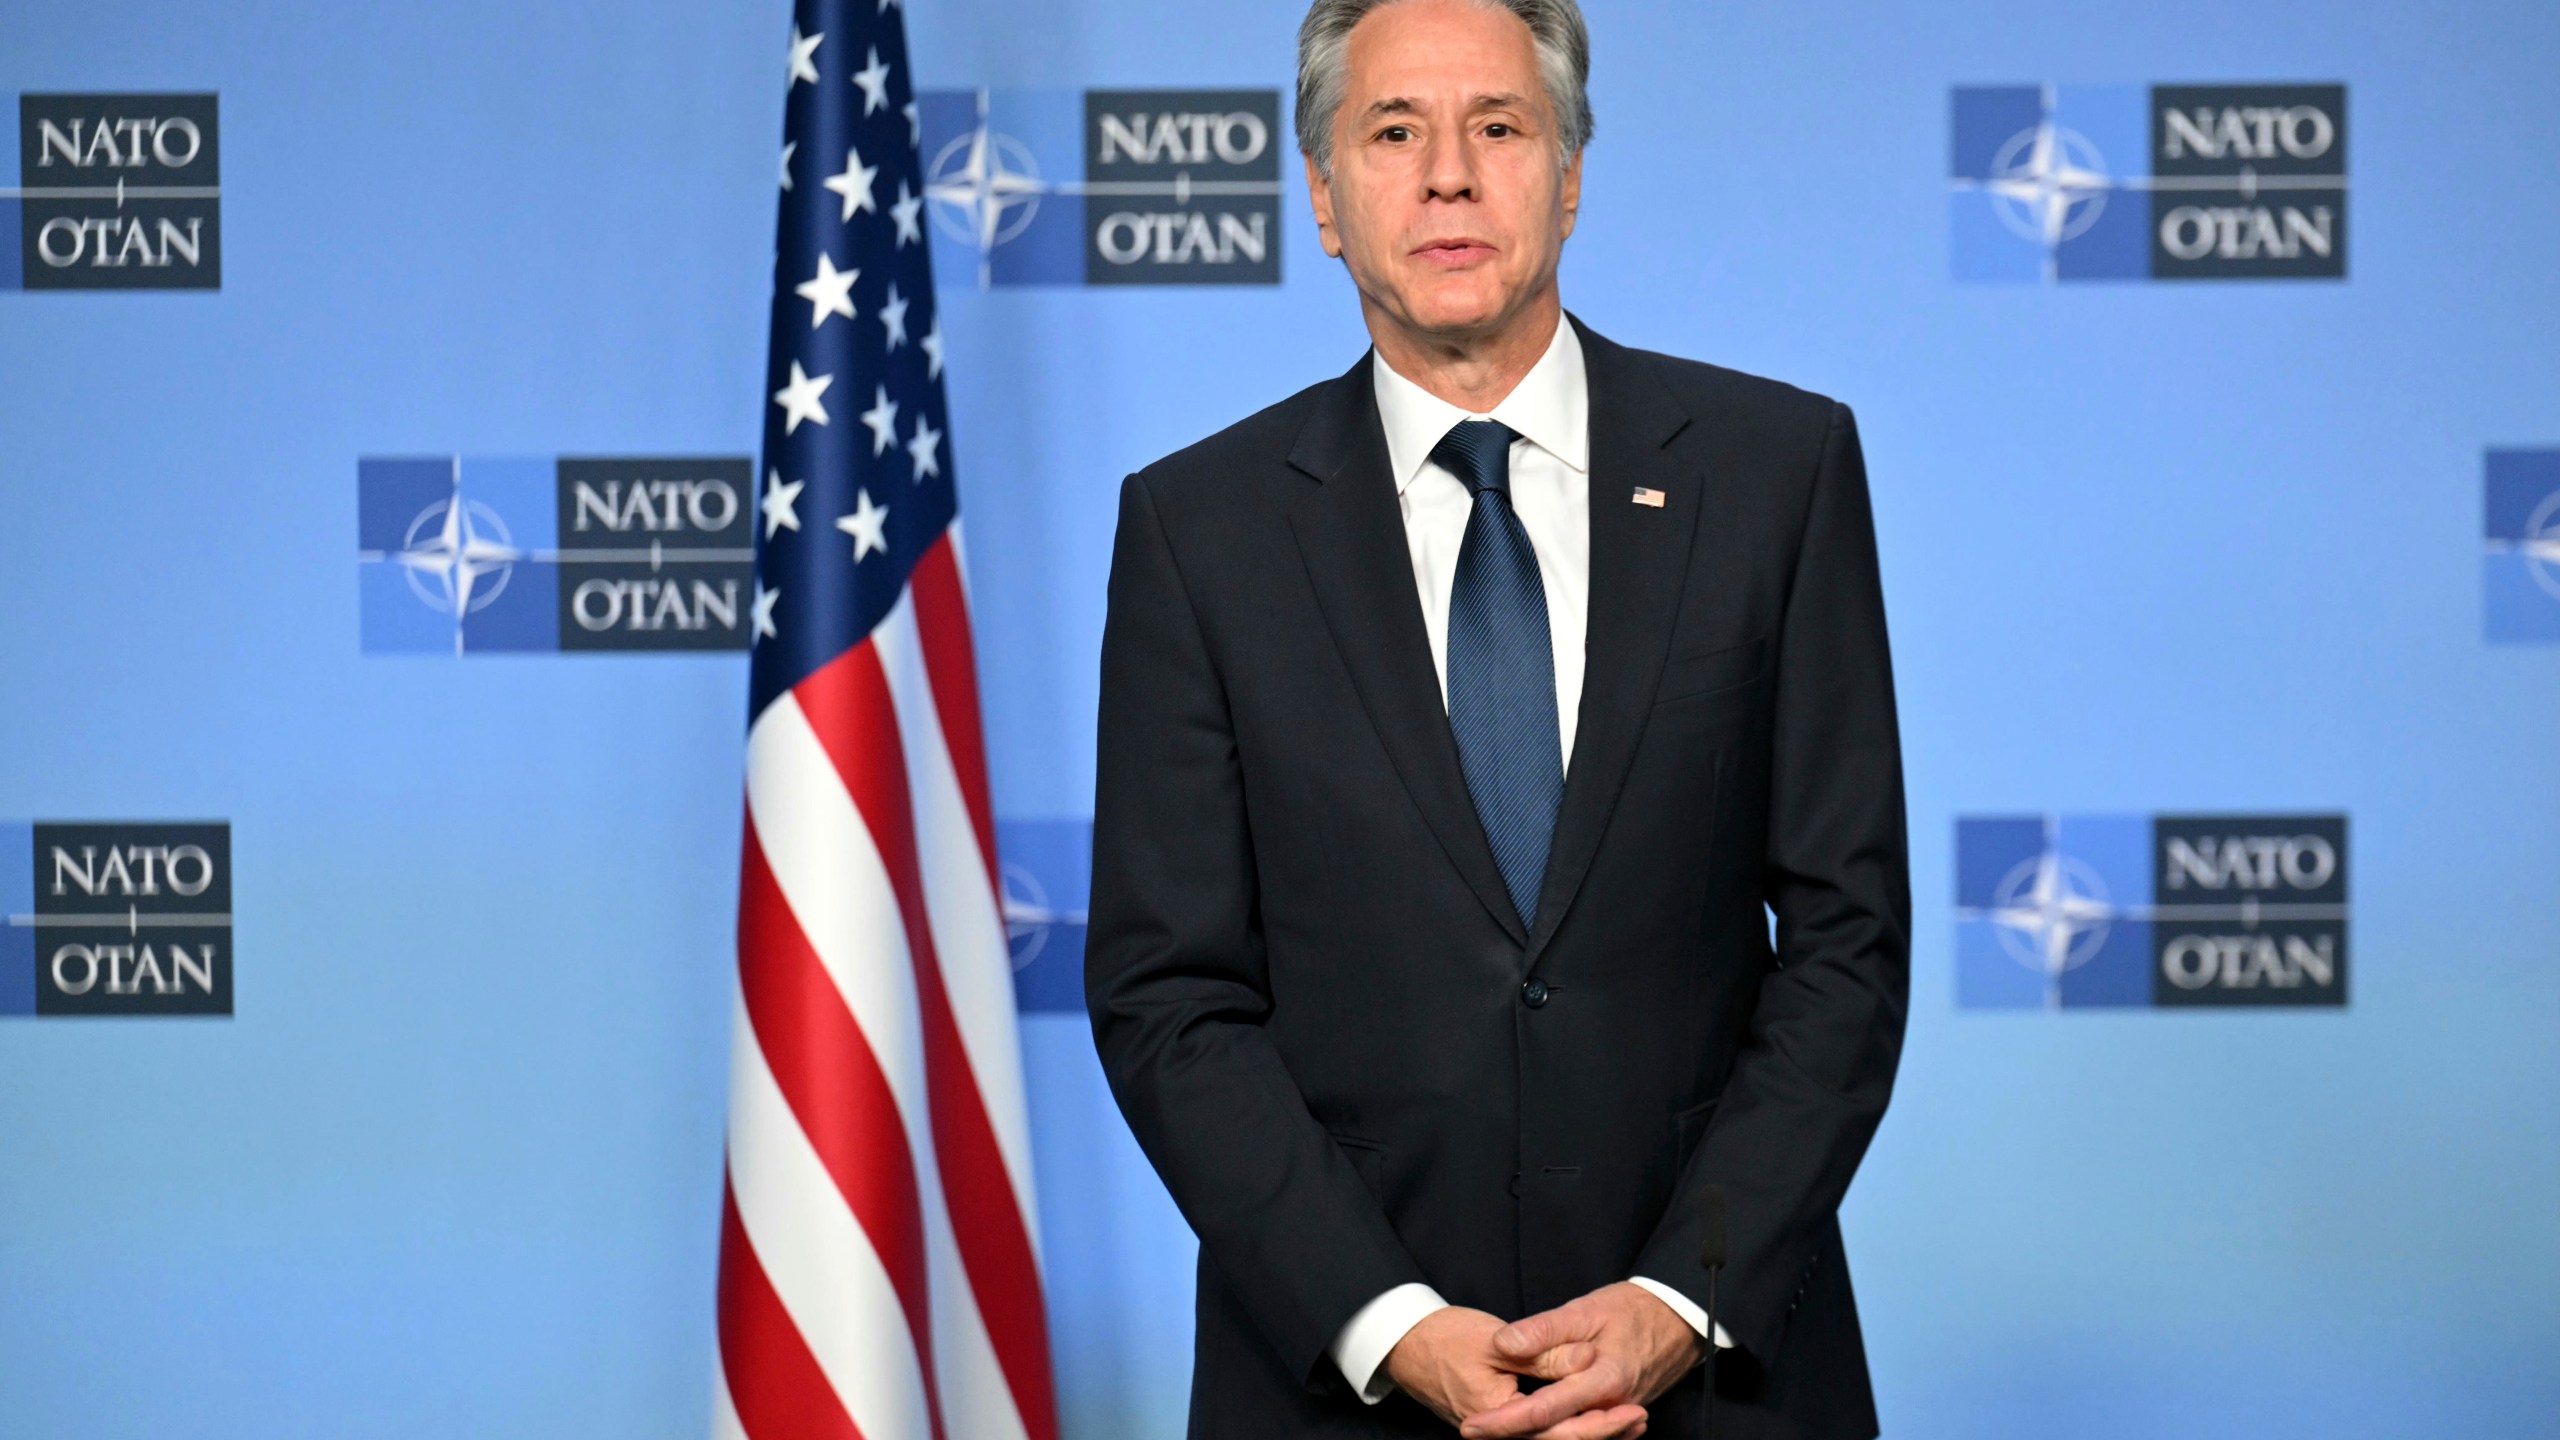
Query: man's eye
[[1497, 129], [1396, 133]]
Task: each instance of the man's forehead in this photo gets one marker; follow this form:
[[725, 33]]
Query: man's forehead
[[1417, 47]]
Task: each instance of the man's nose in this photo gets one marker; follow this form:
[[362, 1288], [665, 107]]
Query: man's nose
[[1449, 167]]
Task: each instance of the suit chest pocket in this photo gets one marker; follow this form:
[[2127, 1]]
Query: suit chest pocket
[[1711, 689], [1704, 672]]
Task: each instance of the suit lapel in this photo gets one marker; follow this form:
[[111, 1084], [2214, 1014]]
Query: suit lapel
[[1351, 535], [1639, 558]]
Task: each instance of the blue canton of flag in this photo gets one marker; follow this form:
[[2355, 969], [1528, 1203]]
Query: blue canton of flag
[[857, 456]]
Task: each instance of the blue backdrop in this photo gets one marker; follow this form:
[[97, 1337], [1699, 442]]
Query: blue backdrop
[[453, 1168]]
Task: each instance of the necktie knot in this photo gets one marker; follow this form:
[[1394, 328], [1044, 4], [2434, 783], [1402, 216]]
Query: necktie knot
[[1478, 452]]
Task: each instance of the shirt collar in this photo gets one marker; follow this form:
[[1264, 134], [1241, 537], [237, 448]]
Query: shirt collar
[[1550, 408]]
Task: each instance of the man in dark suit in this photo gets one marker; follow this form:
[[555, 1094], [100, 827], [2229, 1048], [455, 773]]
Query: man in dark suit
[[1460, 715]]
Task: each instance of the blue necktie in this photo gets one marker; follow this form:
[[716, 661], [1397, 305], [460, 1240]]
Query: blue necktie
[[1502, 675]]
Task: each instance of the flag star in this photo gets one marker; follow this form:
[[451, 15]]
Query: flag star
[[779, 498], [874, 80], [868, 525], [787, 147], [893, 317], [906, 212], [764, 613], [882, 417], [829, 292], [799, 399], [915, 125], [802, 66], [855, 184], [931, 344], [925, 449]]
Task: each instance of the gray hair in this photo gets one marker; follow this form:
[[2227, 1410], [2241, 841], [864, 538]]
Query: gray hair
[[1564, 69]]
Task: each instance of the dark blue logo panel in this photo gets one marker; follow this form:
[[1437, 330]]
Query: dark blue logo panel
[[1103, 187], [2180, 182], [2172, 911], [116, 192], [115, 919], [1048, 874], [2520, 570], [474, 555]]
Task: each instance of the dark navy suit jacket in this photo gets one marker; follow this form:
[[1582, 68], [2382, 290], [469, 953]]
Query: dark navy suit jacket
[[1313, 997]]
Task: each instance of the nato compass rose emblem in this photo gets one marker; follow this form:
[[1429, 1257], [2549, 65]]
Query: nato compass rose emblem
[[2033, 195], [458, 558], [1029, 917], [985, 188], [2052, 914], [2541, 544], [1047, 875], [2049, 185], [2520, 566]]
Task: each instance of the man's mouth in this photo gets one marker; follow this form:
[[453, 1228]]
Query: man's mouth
[[1454, 252]]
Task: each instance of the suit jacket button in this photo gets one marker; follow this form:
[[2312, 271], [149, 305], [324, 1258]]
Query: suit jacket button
[[1534, 994]]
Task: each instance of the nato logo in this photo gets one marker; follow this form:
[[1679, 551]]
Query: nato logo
[[115, 192], [2522, 566], [2066, 912], [462, 555], [115, 919], [1048, 873], [2180, 182], [1107, 187]]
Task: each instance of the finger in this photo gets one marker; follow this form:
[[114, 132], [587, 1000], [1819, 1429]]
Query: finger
[[1597, 1387], [1561, 1361], [1621, 1422], [1543, 1331]]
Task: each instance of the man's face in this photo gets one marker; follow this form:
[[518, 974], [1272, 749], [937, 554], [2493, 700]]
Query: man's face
[[1447, 200]]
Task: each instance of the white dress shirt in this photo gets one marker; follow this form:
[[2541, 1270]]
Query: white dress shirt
[[1550, 410]]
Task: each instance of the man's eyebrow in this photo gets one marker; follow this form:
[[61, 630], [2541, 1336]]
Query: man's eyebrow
[[1405, 105]]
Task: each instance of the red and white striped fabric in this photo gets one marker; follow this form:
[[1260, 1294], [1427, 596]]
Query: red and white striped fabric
[[879, 1264], [879, 1261]]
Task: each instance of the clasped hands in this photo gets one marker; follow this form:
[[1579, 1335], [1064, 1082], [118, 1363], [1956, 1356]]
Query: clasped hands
[[1604, 1357]]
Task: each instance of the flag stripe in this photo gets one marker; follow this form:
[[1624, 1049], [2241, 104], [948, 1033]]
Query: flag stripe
[[780, 1395], [817, 1261], [977, 1403], [965, 921], [847, 914], [942, 619], [834, 1087], [849, 698], [823, 859]]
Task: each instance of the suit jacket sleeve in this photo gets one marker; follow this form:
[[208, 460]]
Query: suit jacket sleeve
[[1817, 1063], [1176, 984]]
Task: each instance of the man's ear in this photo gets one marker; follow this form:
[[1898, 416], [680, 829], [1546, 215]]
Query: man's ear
[[1571, 197], [1320, 192]]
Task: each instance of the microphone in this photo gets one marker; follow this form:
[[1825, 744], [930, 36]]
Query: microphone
[[1711, 1255]]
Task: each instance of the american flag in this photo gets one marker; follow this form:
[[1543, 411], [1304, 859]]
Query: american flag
[[879, 1264]]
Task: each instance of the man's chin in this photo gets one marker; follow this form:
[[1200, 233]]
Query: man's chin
[[1460, 317]]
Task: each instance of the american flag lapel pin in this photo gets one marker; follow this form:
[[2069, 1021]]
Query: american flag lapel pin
[[1653, 498]]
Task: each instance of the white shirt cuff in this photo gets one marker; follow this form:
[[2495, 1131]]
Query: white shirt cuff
[[1360, 1351], [1682, 1306]]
